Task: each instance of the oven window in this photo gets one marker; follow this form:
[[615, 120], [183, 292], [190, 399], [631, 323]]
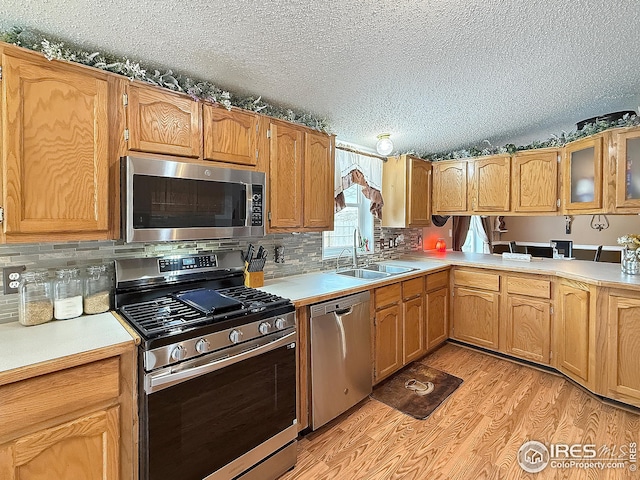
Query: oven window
[[197, 427], [163, 202]]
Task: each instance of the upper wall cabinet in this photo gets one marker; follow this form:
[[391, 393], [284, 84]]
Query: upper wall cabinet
[[285, 175], [490, 184], [319, 165], [55, 152], [582, 176], [230, 136], [406, 190], [301, 177], [627, 169], [450, 187], [162, 122], [534, 181]]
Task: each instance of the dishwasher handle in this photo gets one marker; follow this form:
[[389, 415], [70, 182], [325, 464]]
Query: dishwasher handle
[[344, 311]]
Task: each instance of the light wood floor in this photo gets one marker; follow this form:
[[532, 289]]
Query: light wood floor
[[475, 434]]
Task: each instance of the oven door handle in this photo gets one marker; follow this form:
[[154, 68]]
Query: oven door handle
[[159, 381]]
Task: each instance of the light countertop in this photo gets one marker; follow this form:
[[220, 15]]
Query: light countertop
[[22, 346], [319, 286]]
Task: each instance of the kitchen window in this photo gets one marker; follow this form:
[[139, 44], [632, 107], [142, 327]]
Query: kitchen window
[[356, 214]]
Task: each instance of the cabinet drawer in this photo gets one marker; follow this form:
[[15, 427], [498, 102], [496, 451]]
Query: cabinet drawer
[[483, 281], [531, 287], [412, 288], [388, 295], [56, 394], [437, 280]]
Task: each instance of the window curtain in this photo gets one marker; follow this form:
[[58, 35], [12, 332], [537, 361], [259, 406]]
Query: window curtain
[[477, 240], [366, 171], [460, 230]]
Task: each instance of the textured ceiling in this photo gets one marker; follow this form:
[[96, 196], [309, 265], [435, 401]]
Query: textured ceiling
[[436, 74]]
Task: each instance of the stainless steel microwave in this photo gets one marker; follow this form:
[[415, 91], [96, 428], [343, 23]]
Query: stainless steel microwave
[[168, 200]]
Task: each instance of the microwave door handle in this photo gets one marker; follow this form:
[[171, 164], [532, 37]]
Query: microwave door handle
[[249, 215], [159, 381]]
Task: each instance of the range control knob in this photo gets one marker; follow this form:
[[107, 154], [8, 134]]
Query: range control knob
[[203, 345], [179, 353], [264, 328], [235, 336], [281, 324]]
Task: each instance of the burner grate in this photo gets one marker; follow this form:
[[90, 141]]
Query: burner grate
[[254, 300], [161, 315]]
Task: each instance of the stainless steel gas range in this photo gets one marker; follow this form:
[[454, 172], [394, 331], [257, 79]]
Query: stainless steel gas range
[[217, 368]]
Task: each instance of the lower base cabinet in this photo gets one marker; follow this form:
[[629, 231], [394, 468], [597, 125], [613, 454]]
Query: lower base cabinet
[[475, 316], [437, 314], [573, 333], [623, 342], [77, 422], [83, 448], [388, 342], [528, 328]]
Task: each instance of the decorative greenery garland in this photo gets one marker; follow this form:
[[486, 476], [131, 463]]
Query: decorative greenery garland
[[53, 48], [554, 141]]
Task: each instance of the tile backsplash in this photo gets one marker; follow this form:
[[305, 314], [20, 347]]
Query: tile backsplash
[[302, 253]]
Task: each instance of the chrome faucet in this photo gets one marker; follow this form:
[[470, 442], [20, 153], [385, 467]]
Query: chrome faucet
[[353, 250], [340, 256], [356, 244]]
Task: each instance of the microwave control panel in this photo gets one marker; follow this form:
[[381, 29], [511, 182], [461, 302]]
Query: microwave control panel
[[187, 263], [256, 206]]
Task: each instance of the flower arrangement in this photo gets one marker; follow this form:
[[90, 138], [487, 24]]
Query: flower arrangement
[[631, 241]]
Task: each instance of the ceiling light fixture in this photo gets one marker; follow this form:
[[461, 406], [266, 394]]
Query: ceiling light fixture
[[384, 145]]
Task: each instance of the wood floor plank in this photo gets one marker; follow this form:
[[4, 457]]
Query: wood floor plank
[[475, 434]]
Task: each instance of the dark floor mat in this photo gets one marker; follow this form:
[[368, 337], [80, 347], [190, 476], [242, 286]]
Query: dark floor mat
[[394, 393]]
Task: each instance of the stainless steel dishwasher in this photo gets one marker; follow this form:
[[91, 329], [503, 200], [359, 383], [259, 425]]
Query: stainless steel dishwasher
[[340, 356]]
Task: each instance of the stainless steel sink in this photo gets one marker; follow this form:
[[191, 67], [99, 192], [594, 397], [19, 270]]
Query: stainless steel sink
[[390, 269], [364, 274]]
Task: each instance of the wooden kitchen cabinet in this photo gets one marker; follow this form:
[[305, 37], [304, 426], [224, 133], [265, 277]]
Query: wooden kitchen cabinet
[[160, 121], [319, 174], [574, 332], [230, 135], [527, 318], [413, 320], [490, 184], [623, 342], [406, 189], [399, 335], [449, 187], [582, 176], [436, 309], [476, 302], [534, 181], [55, 144], [77, 422], [83, 448], [285, 175], [301, 178], [627, 179], [388, 342]]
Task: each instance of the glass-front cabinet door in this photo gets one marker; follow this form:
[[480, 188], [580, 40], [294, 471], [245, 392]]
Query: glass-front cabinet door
[[628, 169], [582, 175]]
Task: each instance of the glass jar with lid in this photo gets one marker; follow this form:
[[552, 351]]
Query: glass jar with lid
[[97, 290], [67, 294], [36, 299]]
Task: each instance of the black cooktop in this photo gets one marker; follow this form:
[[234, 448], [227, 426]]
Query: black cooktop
[[189, 310]]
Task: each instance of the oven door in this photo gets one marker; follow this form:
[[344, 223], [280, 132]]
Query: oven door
[[165, 200], [218, 418]]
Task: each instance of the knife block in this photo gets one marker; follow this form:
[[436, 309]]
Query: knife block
[[253, 279]]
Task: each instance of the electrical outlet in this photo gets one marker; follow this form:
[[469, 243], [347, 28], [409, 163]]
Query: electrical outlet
[[11, 278]]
